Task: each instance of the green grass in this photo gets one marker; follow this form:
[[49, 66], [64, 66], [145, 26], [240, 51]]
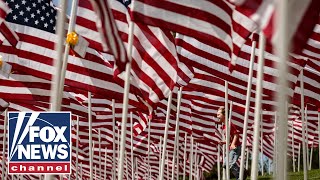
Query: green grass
[[313, 174]]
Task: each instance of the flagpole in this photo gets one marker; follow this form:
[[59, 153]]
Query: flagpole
[[218, 161], [165, 137], [246, 113], [131, 139], [247, 159], [195, 160], [177, 173], [299, 157], [105, 165], [4, 142], [72, 23], [275, 144], [310, 162], [149, 168], [261, 139], [125, 103], [127, 167], [90, 135], [99, 139], [303, 120], [114, 140], [292, 145], [307, 133], [77, 148], [160, 149], [258, 106], [176, 132], [185, 156], [191, 158], [56, 75], [282, 47], [227, 130]]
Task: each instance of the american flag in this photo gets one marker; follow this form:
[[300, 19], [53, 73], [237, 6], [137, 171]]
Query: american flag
[[109, 32], [214, 22], [5, 31], [38, 14], [302, 18], [3, 10], [35, 55]]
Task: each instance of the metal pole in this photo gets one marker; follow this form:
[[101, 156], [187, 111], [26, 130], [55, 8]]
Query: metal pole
[[131, 139], [176, 132], [125, 103], [149, 168], [99, 138], [105, 165], [114, 140], [72, 23], [56, 76], [257, 112], [127, 167], [160, 149], [310, 162], [292, 145], [299, 157], [165, 138], [90, 135], [261, 130], [218, 161], [247, 159], [282, 47], [185, 156], [246, 113], [191, 159], [307, 133], [77, 150], [227, 130], [303, 120]]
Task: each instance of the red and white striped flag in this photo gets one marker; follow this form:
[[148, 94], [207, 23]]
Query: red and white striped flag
[[109, 32], [302, 18], [155, 62], [214, 22], [3, 10], [5, 30]]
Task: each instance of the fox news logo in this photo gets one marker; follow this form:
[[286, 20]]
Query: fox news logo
[[39, 142]]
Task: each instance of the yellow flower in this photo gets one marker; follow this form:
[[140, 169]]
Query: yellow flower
[[72, 38], [1, 62]]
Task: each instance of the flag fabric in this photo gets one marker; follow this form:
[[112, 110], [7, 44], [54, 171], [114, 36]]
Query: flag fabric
[[3, 11], [5, 31], [155, 62], [36, 52], [109, 32], [215, 61], [302, 18], [214, 22]]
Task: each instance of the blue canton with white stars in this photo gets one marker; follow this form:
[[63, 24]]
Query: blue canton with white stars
[[125, 2], [39, 14]]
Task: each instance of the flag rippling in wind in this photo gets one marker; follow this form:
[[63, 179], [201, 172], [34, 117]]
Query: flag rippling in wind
[[3, 10], [302, 18], [109, 32], [5, 32], [34, 21], [214, 22]]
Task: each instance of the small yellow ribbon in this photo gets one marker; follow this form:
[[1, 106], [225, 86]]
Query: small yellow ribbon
[[72, 38], [1, 62]]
